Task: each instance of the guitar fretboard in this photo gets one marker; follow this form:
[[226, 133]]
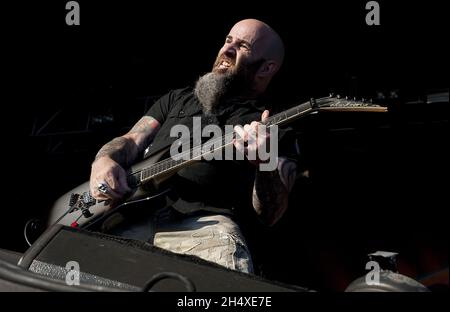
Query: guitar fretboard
[[198, 152]]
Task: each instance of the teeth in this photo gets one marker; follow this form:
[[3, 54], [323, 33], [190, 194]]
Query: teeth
[[225, 64]]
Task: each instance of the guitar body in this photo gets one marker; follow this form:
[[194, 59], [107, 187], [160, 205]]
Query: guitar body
[[102, 209]]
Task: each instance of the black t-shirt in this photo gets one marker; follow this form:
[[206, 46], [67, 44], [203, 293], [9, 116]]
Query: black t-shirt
[[219, 186]]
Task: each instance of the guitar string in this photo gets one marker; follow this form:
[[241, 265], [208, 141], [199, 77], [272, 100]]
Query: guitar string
[[273, 120], [170, 164], [196, 152]]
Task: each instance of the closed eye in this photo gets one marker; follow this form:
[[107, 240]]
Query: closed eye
[[244, 45], [241, 43]]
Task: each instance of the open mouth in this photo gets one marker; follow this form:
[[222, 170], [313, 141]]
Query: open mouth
[[224, 65]]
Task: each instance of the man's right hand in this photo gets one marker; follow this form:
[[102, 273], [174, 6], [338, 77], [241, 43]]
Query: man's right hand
[[121, 151], [107, 171]]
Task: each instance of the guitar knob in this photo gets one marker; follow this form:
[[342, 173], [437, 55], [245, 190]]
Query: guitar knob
[[73, 199], [86, 213]]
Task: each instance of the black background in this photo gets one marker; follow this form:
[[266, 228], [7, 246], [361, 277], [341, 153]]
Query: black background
[[381, 185]]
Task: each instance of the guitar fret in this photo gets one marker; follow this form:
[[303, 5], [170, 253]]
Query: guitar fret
[[220, 143], [168, 164]]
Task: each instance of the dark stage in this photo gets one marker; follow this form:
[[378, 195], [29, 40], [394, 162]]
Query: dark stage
[[372, 182]]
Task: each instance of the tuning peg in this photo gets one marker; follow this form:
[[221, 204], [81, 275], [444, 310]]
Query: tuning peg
[[338, 96], [363, 100], [346, 97], [331, 94], [354, 98]]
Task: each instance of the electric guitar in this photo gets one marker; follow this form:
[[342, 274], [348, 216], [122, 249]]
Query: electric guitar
[[78, 208]]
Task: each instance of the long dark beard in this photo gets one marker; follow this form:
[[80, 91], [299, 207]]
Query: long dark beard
[[213, 87]]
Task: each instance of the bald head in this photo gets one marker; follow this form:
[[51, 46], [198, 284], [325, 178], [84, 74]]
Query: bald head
[[251, 55], [266, 43]]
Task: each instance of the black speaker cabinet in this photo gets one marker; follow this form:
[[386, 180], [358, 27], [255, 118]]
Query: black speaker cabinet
[[117, 262]]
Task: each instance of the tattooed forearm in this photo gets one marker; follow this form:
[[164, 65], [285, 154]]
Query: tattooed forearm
[[126, 149], [122, 150], [271, 191], [269, 198]]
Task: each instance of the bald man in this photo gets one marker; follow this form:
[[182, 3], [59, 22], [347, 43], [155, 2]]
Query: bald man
[[202, 209]]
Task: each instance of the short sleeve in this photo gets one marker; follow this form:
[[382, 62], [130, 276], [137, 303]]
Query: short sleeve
[[161, 108]]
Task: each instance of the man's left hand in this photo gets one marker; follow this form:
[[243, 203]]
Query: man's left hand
[[251, 138]]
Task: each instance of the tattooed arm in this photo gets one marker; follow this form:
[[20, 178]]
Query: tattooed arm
[[271, 188], [271, 191], [118, 154], [125, 149]]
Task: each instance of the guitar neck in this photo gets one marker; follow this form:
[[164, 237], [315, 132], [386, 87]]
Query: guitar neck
[[195, 154], [290, 115]]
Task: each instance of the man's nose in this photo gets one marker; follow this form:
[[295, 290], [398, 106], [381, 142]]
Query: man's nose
[[230, 52]]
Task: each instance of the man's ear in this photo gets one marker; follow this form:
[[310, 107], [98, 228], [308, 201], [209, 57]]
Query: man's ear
[[268, 68]]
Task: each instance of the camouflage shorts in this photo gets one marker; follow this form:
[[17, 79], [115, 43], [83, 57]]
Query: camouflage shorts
[[215, 238]]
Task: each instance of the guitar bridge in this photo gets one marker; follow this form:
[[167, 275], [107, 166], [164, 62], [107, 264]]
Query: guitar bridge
[[82, 202]]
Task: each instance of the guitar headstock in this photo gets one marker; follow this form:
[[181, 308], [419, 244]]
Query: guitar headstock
[[330, 103], [339, 104]]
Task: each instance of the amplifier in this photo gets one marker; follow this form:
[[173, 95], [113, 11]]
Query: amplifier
[[115, 262]]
